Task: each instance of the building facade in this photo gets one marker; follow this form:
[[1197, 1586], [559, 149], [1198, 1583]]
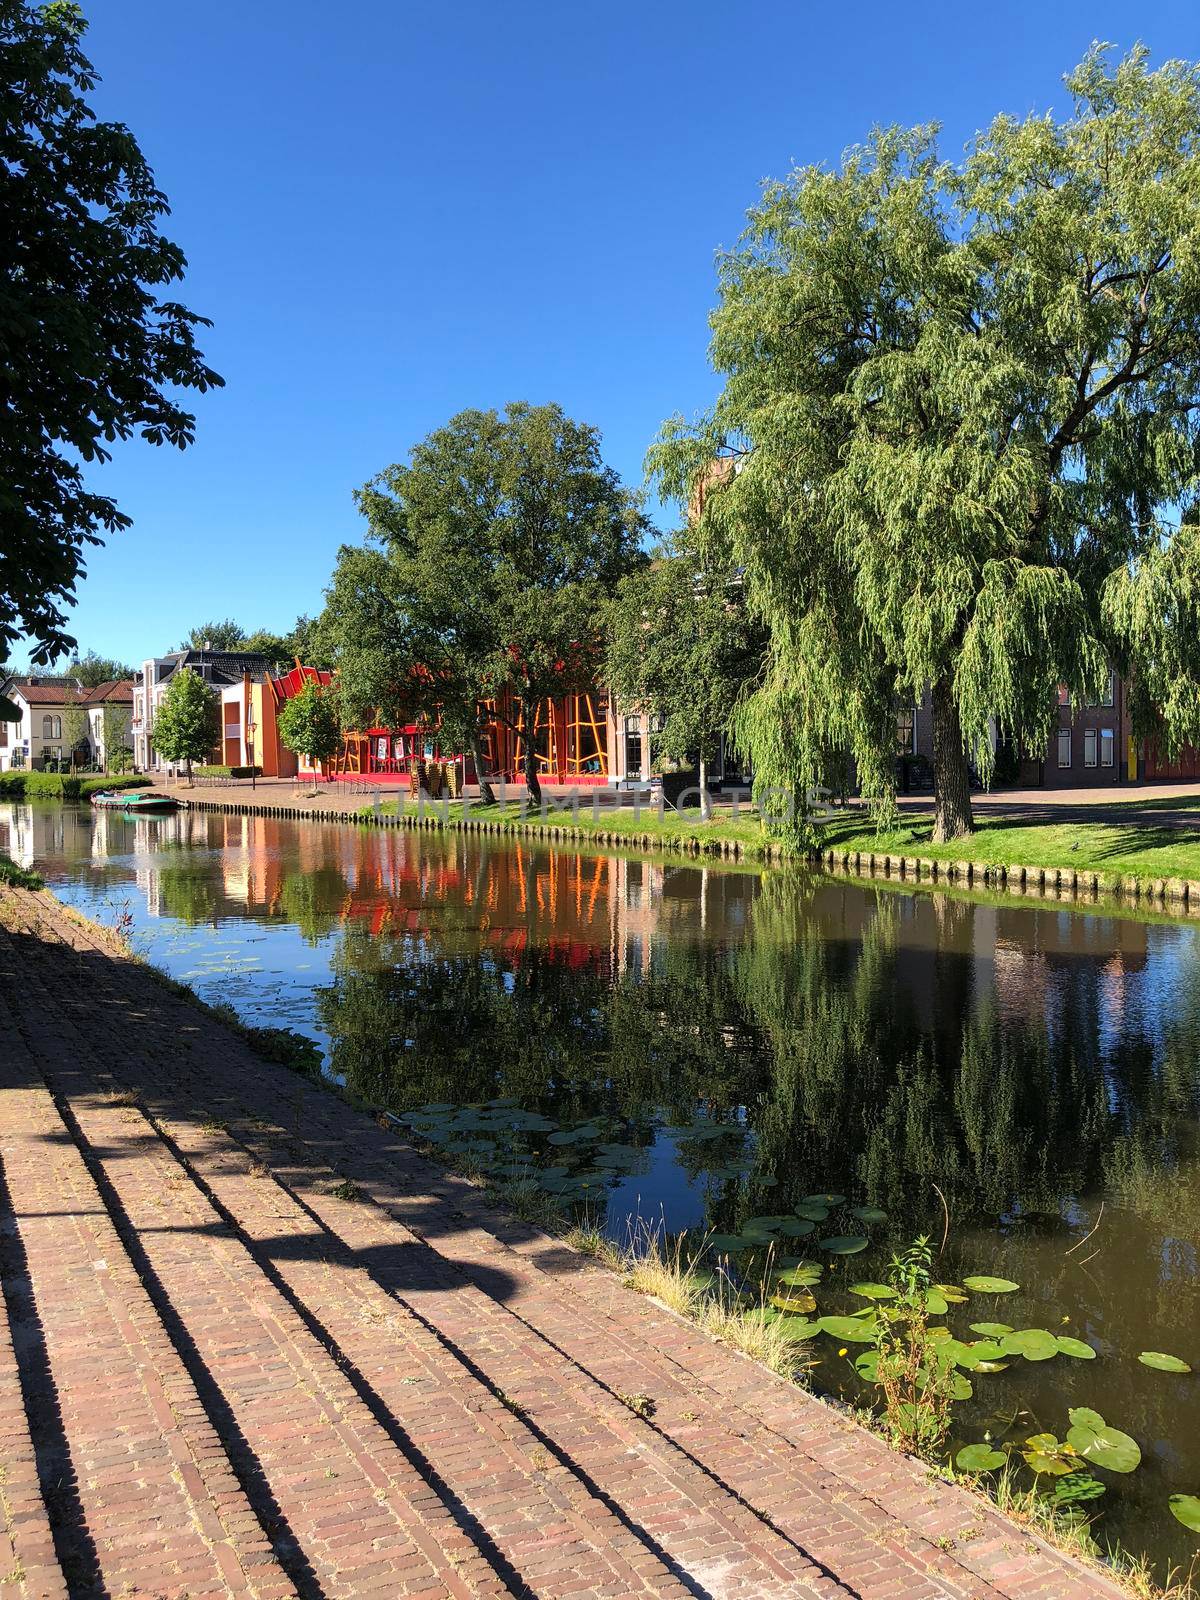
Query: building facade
[[220, 669], [62, 721]]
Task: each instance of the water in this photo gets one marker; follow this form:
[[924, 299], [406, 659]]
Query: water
[[737, 1041]]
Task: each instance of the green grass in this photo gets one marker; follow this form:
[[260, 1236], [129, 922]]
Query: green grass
[[17, 877], [673, 830], [28, 785], [1111, 843]]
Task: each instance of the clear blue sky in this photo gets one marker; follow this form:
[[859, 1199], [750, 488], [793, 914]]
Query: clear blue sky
[[394, 211]]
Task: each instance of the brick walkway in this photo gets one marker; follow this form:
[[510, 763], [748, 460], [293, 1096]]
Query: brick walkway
[[231, 1373]]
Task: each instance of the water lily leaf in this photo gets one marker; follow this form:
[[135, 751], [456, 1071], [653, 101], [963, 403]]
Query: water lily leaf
[[1035, 1344], [436, 1108], [867, 1365], [811, 1212], [766, 1180], [935, 1303], [794, 1302], [844, 1244], [985, 1285], [991, 1330], [1074, 1347], [1045, 1454], [804, 1274], [763, 1224], [851, 1329], [985, 1350], [1104, 1446], [797, 1227], [873, 1291], [868, 1214], [564, 1136], [1075, 1488], [1185, 1508], [797, 1327], [978, 1458], [1163, 1363], [725, 1244], [823, 1200], [962, 1355], [993, 1366], [952, 1293]]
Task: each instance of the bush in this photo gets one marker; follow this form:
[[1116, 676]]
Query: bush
[[212, 772], [27, 785], [245, 772], [17, 877]]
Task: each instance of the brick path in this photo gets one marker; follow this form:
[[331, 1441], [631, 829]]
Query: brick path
[[228, 1376]]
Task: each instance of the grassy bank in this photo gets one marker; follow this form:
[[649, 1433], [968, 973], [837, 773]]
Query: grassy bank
[[1113, 844], [61, 785], [17, 877], [674, 830]]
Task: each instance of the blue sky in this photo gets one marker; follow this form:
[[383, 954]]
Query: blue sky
[[392, 212]]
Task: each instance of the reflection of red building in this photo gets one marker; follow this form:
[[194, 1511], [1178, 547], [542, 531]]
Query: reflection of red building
[[572, 734]]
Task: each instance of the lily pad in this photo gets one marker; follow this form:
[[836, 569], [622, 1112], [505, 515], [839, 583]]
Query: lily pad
[[803, 1274], [844, 1244], [823, 1200], [798, 1327], [1185, 1508], [1163, 1363], [868, 1214], [726, 1244], [991, 1330], [1046, 1454], [853, 1330], [1075, 1488], [979, 1458], [936, 1304], [1035, 1344], [812, 1212], [797, 1227], [1104, 1446], [873, 1291], [1074, 1347], [867, 1365], [952, 1293], [799, 1300], [984, 1285]]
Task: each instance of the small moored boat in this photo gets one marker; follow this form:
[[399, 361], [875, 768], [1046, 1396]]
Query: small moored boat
[[138, 801]]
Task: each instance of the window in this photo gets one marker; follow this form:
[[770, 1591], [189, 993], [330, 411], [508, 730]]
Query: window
[[58, 727], [633, 747], [1089, 747], [906, 731], [1064, 695], [47, 727], [1108, 745], [1064, 747]]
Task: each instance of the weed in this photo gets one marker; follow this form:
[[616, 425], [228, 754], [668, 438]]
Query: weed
[[918, 1382], [345, 1190], [590, 1241], [640, 1404]]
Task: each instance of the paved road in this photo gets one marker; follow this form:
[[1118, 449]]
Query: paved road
[[252, 1344]]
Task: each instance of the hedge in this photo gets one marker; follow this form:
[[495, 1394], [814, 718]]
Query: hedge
[[28, 785], [227, 772]]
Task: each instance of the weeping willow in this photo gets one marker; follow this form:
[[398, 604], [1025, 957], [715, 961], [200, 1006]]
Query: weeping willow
[[960, 398]]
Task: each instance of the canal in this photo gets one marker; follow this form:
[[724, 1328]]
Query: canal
[[680, 1046]]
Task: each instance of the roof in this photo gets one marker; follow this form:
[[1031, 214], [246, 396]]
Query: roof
[[217, 666], [64, 692], [118, 692]]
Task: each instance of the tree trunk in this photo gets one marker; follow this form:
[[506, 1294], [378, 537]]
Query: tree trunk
[[952, 818], [487, 794], [705, 807], [532, 784], [189, 772]]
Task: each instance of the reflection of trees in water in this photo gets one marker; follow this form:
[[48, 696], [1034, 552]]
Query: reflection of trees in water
[[187, 890], [871, 1056], [315, 901]]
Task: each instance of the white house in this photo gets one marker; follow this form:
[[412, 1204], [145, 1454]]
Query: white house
[[219, 669], [57, 712]]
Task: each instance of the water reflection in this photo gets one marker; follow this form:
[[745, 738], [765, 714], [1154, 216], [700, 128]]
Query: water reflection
[[1034, 1062]]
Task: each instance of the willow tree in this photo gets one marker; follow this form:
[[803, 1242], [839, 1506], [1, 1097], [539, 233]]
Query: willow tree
[[962, 399]]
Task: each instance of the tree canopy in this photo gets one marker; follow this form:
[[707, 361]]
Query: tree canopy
[[186, 724], [963, 400], [489, 560], [91, 670], [681, 647], [308, 723], [92, 354]]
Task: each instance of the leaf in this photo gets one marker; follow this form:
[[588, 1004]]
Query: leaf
[[1163, 1363], [804, 1274], [1075, 1488], [873, 1291], [991, 1330], [1185, 1508], [797, 1227], [1044, 1453], [853, 1330], [763, 1224], [1103, 1445], [844, 1244], [811, 1212], [979, 1458], [1035, 1344], [798, 1327], [1074, 1347], [725, 1244], [794, 1302], [867, 1365], [868, 1214], [935, 1304], [984, 1285], [952, 1293], [823, 1200]]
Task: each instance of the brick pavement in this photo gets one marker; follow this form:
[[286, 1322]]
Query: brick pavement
[[405, 1392]]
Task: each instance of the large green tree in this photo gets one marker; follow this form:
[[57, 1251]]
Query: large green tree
[[309, 726], [92, 354], [490, 556], [187, 723], [963, 398], [91, 670], [681, 646]]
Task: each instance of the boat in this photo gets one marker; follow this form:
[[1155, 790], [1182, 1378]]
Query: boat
[[140, 802]]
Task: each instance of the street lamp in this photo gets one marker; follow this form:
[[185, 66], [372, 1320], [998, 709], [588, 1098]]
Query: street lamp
[[251, 730]]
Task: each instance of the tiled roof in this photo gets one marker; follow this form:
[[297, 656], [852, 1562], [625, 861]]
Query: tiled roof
[[219, 666], [119, 692], [46, 694]]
